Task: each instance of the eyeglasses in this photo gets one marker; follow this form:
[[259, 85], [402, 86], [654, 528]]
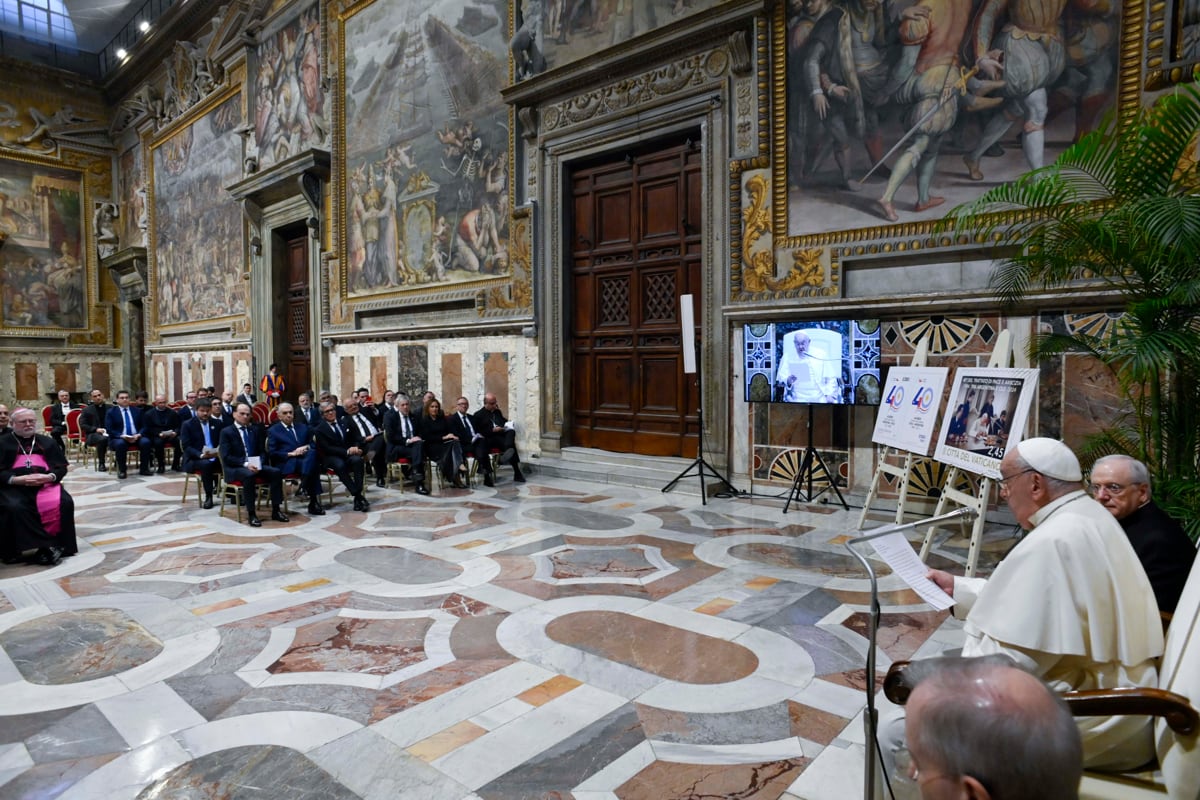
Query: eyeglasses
[[1004, 486], [1109, 488], [329, 411]]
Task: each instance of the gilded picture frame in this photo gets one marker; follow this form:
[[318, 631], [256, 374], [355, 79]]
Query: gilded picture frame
[[1172, 43], [438, 140], [796, 223], [48, 261]]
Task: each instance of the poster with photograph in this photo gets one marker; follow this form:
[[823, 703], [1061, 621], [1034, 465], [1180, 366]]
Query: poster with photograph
[[986, 413], [908, 413]]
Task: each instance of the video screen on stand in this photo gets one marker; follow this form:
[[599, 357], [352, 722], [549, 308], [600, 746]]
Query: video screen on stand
[[824, 362]]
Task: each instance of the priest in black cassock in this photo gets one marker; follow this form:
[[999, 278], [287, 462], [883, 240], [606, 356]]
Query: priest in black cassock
[[39, 514]]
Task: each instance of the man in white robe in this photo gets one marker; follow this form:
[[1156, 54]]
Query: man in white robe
[[806, 373], [1071, 603]]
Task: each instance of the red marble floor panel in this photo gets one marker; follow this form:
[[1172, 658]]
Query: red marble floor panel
[[461, 606], [654, 647], [198, 562], [814, 724], [535, 490], [899, 634], [667, 781], [434, 683], [350, 644], [855, 679], [297, 612], [900, 597]]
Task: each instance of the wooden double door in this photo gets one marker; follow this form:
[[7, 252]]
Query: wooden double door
[[634, 247]]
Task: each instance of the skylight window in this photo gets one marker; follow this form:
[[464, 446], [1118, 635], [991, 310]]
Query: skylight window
[[46, 20]]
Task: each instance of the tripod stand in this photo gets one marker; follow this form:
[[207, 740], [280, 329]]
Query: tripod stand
[[808, 467], [700, 465]]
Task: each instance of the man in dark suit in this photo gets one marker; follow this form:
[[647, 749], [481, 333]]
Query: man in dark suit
[[188, 409], [218, 414], [58, 418], [247, 395], [92, 425], [199, 437], [339, 450], [367, 407], [308, 413], [473, 440], [227, 404], [239, 444], [499, 434], [124, 423], [370, 440], [293, 452], [161, 426], [400, 430]]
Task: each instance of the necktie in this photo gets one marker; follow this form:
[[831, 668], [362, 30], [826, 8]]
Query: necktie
[[406, 427], [362, 425], [128, 423], [246, 440], [337, 429], [467, 422], [207, 435], [292, 433]]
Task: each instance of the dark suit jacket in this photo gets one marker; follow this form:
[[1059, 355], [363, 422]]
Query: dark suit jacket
[[460, 430], [310, 416], [484, 420], [191, 439], [1164, 549], [58, 417], [156, 421], [233, 449], [280, 443], [114, 421], [244, 398], [93, 417], [330, 445]]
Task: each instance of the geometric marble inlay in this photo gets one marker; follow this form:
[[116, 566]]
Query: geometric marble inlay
[[634, 564], [75, 646], [796, 557], [351, 644], [654, 647], [249, 773], [579, 518], [195, 561], [398, 565]]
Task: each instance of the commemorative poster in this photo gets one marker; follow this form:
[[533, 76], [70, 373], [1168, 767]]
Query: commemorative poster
[[908, 413], [986, 414]]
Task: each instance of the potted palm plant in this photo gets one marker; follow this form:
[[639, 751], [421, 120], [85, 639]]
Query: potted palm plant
[[1120, 211]]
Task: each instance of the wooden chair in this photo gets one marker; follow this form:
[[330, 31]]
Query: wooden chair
[[236, 487], [1172, 704], [46, 425], [261, 413], [189, 476], [74, 434]]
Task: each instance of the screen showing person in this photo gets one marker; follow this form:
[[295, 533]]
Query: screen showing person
[[810, 367], [824, 361]]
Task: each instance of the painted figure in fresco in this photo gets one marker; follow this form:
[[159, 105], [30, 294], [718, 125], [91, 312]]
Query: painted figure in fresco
[[477, 248], [931, 32], [310, 72], [46, 126], [65, 277], [526, 43], [104, 223], [358, 212], [831, 82], [1028, 52], [872, 65], [12, 221], [1092, 31]]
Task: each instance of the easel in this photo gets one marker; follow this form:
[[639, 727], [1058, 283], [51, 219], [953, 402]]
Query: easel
[[903, 472], [1001, 357]]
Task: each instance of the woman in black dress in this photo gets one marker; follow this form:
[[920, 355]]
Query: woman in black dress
[[441, 446]]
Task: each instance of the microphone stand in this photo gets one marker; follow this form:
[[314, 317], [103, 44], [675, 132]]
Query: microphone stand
[[871, 715]]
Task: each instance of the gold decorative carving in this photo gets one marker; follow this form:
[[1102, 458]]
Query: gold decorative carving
[[518, 294], [758, 274]]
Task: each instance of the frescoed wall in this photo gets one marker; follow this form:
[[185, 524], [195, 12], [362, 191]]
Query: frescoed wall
[[131, 193], [198, 252], [287, 97], [426, 138], [42, 261]]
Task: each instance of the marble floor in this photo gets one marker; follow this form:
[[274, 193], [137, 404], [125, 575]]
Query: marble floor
[[552, 639]]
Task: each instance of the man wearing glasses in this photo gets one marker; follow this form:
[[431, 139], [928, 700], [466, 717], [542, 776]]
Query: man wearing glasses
[[1122, 485], [1071, 603]]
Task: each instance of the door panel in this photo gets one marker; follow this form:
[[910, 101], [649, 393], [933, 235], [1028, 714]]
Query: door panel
[[635, 248]]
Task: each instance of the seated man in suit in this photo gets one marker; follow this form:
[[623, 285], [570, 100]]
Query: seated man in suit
[[58, 418], [473, 441], [499, 434], [308, 413], [199, 437], [92, 424], [125, 423], [339, 450], [161, 426], [400, 429], [247, 395], [292, 451], [240, 444], [218, 414], [371, 440], [228, 404]]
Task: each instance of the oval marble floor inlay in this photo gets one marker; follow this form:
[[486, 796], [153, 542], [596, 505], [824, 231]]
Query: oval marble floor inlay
[[663, 650], [74, 646]]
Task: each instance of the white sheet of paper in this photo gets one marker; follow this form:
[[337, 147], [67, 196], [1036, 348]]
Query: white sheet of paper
[[898, 554], [254, 462]]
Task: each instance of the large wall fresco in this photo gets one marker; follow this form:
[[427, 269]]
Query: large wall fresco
[[425, 147], [42, 263], [197, 228], [869, 87], [567, 30], [287, 98], [131, 193]]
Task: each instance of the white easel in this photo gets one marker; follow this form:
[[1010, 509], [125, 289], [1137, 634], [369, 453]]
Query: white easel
[[1001, 358], [904, 471]]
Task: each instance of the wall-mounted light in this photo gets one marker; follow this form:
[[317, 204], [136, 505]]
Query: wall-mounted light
[[143, 26], [122, 52], [327, 343]]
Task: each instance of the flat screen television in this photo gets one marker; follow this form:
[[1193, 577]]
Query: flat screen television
[[815, 362]]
